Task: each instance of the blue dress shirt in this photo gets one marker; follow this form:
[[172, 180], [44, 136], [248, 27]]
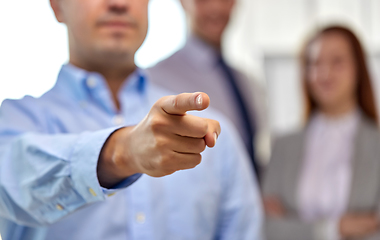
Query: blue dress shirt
[[49, 149]]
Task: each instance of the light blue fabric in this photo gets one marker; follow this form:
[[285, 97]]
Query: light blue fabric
[[49, 149]]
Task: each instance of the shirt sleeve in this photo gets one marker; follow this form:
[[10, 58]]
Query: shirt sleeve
[[241, 213], [44, 177]]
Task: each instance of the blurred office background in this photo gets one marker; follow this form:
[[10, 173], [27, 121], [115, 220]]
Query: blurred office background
[[267, 36], [263, 41]]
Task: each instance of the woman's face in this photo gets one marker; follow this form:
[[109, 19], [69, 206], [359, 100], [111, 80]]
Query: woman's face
[[332, 71]]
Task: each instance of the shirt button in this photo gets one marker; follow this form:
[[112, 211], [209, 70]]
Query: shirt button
[[59, 207], [118, 120], [91, 82], [140, 218], [109, 195], [93, 193]]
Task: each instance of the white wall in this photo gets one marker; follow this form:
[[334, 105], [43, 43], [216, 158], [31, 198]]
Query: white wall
[[32, 48]]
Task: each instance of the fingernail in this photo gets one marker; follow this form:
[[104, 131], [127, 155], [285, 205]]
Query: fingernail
[[215, 137], [199, 100]]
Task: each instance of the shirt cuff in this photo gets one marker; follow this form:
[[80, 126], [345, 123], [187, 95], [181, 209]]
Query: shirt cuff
[[123, 184], [327, 230], [84, 161], [83, 187]]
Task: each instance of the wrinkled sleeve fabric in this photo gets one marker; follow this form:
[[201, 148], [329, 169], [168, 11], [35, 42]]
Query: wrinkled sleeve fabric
[[44, 177]]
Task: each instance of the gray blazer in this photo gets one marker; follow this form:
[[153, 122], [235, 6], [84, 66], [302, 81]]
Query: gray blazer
[[283, 172]]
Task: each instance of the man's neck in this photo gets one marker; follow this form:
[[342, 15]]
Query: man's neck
[[115, 75], [214, 44]]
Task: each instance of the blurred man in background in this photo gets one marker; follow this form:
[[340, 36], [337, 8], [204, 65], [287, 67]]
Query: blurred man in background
[[64, 155], [200, 66]]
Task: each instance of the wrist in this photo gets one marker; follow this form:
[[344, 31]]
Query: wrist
[[115, 163]]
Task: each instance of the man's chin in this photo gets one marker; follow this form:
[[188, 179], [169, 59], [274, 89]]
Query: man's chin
[[213, 38], [117, 49]]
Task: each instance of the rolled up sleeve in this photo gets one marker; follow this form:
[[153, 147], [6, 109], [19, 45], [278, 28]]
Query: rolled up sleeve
[[44, 177]]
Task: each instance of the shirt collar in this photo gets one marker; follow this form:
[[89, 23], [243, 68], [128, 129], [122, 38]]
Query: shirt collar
[[346, 125], [201, 54], [82, 83]]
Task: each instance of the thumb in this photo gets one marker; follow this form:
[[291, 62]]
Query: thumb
[[180, 104]]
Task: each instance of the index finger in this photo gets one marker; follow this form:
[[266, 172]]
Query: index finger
[[180, 104]]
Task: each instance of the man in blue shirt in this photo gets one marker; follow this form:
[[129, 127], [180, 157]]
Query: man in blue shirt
[[99, 156]]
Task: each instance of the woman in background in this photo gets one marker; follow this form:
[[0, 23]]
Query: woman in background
[[323, 182]]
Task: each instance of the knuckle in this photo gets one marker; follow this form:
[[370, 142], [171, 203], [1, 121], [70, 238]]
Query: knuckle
[[203, 127], [175, 102], [216, 124], [161, 143], [157, 123], [159, 102], [191, 101]]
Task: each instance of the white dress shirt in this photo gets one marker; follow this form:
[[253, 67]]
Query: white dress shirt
[[325, 181]]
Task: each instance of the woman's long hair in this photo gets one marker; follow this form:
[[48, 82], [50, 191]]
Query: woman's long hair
[[364, 92]]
